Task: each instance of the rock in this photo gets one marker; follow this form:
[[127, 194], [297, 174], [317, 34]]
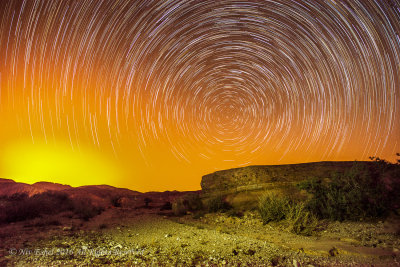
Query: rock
[[333, 252], [252, 176]]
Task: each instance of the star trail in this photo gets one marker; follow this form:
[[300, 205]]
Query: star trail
[[152, 95]]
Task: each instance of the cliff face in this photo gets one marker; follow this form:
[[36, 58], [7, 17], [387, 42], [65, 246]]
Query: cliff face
[[260, 177]]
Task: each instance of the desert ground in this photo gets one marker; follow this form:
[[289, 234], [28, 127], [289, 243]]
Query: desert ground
[[148, 236]]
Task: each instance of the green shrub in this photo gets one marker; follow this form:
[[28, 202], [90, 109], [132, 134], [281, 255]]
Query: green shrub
[[217, 203], [193, 202], [178, 207], [273, 208], [189, 202], [300, 220], [364, 191]]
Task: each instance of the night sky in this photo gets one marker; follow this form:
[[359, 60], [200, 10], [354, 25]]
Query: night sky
[[151, 95]]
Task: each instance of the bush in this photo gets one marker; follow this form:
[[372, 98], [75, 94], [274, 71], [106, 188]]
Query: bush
[[300, 220], [218, 203], [51, 202], [273, 208], [20, 207], [166, 206], [178, 207], [193, 202], [147, 201], [15, 208], [84, 209], [364, 191]]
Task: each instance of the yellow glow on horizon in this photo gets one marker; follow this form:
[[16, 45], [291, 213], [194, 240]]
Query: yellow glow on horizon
[[128, 96], [30, 163]]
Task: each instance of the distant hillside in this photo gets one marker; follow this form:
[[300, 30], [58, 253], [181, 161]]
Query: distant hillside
[[256, 177], [99, 195], [9, 187]]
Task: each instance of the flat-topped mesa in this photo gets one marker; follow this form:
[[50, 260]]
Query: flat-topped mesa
[[259, 177]]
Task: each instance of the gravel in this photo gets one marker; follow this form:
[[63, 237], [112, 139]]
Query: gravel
[[123, 236]]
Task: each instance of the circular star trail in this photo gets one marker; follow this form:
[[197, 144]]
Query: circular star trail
[[239, 82]]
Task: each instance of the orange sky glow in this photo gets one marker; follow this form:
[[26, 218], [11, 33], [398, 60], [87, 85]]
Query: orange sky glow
[[151, 95]]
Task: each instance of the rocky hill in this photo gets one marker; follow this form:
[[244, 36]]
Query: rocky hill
[[9, 187], [99, 195], [245, 185]]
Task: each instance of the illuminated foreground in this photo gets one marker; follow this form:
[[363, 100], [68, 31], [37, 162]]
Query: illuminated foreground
[[148, 236]]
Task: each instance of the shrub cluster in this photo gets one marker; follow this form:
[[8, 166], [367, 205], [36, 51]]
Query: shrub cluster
[[178, 207], [190, 202], [275, 208], [166, 206], [300, 220], [367, 190], [20, 207], [218, 203], [193, 202], [84, 209], [364, 191]]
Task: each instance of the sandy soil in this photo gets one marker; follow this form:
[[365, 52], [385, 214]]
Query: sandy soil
[[147, 237]]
